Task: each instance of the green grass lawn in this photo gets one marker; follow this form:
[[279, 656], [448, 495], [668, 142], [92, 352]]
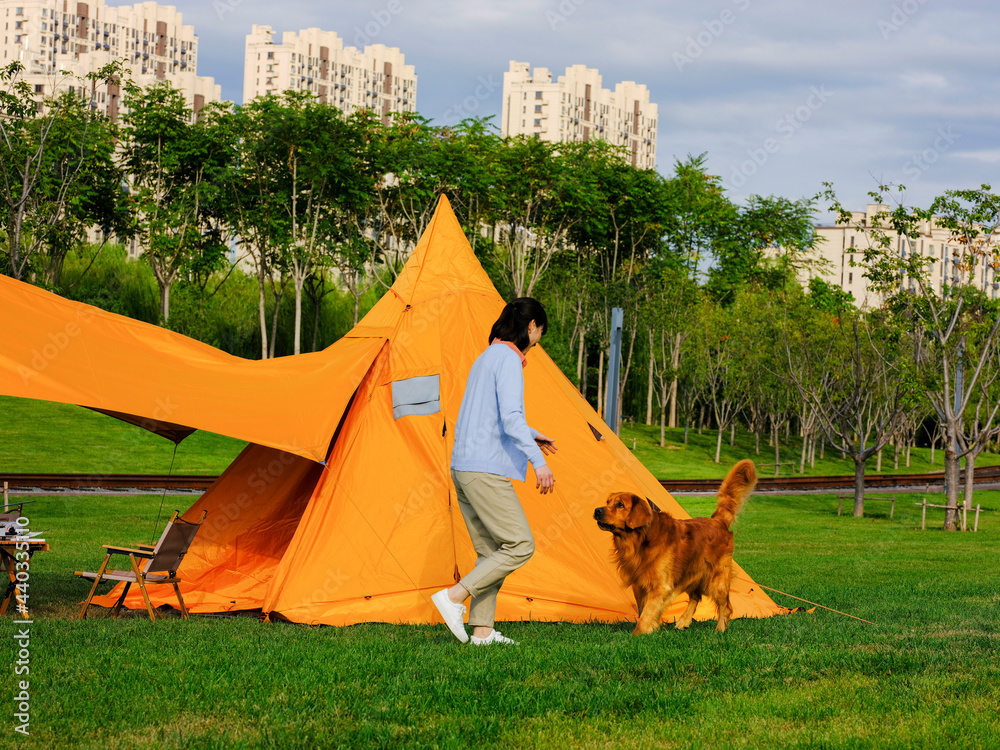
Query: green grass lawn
[[45, 437], [925, 675]]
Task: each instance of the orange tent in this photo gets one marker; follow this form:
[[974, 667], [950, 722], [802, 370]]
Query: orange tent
[[370, 534]]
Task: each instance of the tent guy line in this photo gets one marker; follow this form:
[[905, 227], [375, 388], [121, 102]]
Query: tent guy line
[[821, 606]]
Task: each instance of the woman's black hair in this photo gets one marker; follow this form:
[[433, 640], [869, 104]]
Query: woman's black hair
[[512, 325]]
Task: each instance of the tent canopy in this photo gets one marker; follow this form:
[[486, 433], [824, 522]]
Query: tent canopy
[[58, 350]]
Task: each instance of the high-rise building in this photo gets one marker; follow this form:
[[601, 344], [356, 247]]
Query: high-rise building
[[575, 107], [53, 38], [840, 251], [375, 78]]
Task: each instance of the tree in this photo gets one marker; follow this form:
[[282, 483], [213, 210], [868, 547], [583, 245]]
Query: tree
[[174, 167], [698, 211], [316, 180], [543, 191], [765, 243], [855, 373], [757, 315], [669, 319], [58, 175], [718, 344], [954, 328]]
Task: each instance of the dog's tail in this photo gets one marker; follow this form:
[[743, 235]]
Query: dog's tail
[[735, 489]]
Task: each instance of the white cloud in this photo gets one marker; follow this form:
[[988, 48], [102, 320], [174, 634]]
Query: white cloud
[[892, 88]]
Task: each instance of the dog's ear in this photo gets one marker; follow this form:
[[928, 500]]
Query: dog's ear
[[640, 515]]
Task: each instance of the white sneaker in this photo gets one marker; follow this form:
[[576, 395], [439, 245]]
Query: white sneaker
[[452, 614], [494, 637]]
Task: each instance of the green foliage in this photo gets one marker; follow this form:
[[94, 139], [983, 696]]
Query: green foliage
[[828, 298], [778, 226], [177, 170], [59, 176], [105, 278]]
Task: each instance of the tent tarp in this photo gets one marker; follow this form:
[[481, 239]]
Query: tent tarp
[[58, 350]]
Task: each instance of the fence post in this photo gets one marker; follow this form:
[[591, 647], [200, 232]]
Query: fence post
[[892, 505], [4, 497], [976, 527], [923, 516], [614, 367]]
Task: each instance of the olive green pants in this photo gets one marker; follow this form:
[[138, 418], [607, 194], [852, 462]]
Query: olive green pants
[[500, 535]]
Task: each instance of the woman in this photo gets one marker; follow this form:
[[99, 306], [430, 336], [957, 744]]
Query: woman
[[493, 444]]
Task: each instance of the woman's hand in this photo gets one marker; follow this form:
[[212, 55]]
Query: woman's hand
[[544, 480], [547, 444]]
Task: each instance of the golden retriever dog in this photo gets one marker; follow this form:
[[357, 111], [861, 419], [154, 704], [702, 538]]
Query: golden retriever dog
[[662, 557]]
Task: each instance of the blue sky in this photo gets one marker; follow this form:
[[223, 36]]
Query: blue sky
[[782, 95]]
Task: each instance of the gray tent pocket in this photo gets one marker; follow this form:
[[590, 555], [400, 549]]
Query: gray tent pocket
[[420, 395]]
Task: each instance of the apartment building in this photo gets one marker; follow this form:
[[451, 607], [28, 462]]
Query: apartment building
[[576, 107], [60, 41], [375, 78], [840, 250]]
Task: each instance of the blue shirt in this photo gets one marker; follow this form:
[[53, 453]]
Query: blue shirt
[[491, 434]]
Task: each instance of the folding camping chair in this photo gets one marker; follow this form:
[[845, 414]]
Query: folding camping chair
[[164, 560]]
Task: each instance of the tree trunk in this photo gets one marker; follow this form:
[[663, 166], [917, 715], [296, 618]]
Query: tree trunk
[[777, 448], [581, 364], [663, 431], [262, 300], [970, 467], [859, 484], [672, 421], [649, 385], [951, 479], [732, 434], [275, 315], [718, 446], [317, 307], [297, 283], [600, 384], [165, 301], [675, 360]]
